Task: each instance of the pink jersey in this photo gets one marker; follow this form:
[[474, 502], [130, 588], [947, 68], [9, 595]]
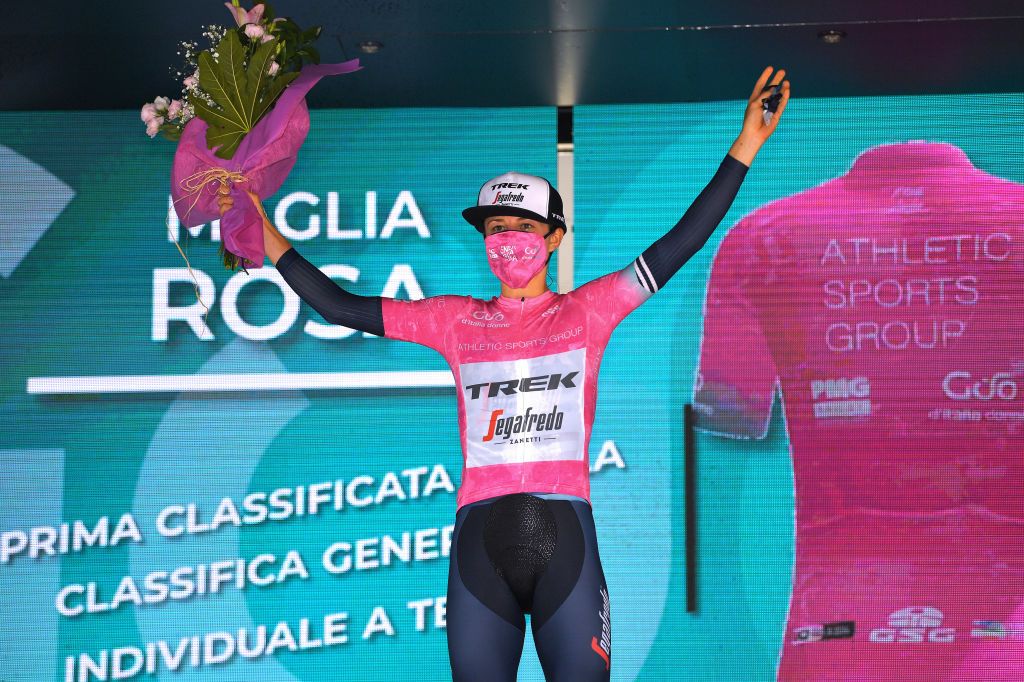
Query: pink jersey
[[887, 305], [526, 378]]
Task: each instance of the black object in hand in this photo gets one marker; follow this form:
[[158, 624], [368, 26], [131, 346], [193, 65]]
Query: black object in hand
[[771, 103]]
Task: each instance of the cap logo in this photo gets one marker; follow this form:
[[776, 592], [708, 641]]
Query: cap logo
[[509, 185], [508, 197]]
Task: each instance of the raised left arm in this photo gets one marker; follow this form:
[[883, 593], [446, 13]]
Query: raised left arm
[[663, 258]]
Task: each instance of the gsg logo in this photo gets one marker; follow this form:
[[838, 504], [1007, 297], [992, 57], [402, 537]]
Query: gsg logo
[[914, 625], [488, 317], [961, 386]]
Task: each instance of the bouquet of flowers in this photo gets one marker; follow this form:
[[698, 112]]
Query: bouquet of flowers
[[240, 121]]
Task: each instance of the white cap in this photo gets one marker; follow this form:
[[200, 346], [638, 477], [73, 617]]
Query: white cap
[[518, 194]]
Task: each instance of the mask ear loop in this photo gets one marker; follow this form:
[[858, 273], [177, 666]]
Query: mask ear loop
[[548, 263]]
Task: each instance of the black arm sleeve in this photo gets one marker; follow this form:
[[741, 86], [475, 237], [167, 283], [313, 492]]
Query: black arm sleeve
[[334, 304], [663, 258]]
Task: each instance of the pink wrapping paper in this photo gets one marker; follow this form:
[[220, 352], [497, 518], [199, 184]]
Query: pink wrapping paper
[[264, 158]]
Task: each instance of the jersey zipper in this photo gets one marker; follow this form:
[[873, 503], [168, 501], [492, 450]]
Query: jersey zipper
[[522, 310]]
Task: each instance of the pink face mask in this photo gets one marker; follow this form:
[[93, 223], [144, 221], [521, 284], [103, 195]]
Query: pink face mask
[[516, 257]]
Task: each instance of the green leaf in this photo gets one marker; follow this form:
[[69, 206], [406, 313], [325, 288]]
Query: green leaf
[[277, 86], [256, 75], [224, 78], [221, 130], [241, 94], [286, 30]]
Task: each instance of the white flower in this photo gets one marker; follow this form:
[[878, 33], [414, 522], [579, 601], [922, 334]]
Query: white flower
[[161, 103], [191, 82]]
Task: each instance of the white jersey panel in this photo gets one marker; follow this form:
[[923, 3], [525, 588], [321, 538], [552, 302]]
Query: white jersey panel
[[528, 410]]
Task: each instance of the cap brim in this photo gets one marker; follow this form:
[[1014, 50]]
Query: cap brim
[[476, 215]]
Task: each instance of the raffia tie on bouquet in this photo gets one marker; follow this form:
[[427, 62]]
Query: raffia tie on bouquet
[[193, 186], [195, 183]]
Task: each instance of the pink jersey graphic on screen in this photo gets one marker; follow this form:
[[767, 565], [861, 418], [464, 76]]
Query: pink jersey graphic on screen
[[886, 306], [525, 376]]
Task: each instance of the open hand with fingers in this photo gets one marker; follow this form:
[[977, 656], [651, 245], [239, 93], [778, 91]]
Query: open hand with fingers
[[764, 111], [765, 105]]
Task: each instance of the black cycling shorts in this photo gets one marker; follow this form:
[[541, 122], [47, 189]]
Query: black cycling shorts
[[519, 554]]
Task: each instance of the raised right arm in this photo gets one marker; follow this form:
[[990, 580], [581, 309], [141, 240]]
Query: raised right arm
[[323, 294]]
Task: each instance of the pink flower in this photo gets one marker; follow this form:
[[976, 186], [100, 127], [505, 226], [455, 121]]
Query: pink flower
[[148, 112], [266, 37], [274, 66], [173, 109], [153, 126], [254, 30], [191, 82], [243, 17]]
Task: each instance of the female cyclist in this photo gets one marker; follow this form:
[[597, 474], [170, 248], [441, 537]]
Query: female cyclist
[[525, 366]]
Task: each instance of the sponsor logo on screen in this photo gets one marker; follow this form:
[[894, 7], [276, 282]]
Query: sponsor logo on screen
[[960, 385], [907, 200], [818, 633], [914, 625], [994, 629], [843, 397]]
